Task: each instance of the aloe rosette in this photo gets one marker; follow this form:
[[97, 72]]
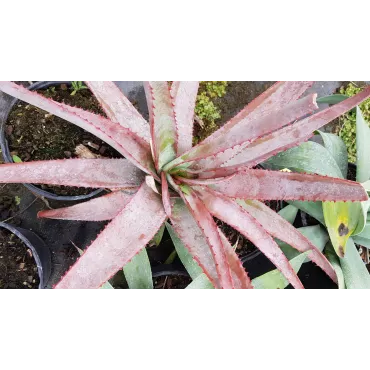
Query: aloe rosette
[[162, 176]]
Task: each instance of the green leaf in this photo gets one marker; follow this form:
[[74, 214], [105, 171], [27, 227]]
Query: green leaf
[[334, 260], [138, 272], [275, 279], [364, 242], [158, 236], [308, 157], [107, 285], [16, 159], [355, 272], [316, 234], [365, 232], [366, 185], [332, 99], [341, 219], [336, 147], [363, 148], [314, 209], [362, 218], [289, 213], [186, 258], [201, 282], [171, 257]]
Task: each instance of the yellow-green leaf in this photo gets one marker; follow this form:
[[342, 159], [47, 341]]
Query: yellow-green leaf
[[341, 219]]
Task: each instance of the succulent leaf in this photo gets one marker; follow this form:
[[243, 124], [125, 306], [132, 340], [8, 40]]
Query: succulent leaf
[[184, 94], [89, 173], [118, 108], [103, 208]]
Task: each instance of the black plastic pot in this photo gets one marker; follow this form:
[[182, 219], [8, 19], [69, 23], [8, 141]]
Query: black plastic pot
[[40, 251], [6, 105], [168, 270]]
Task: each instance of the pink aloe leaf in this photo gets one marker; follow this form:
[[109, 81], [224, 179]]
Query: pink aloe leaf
[[126, 235], [290, 136], [184, 95], [165, 195], [275, 225], [269, 185], [234, 215], [120, 138], [269, 111], [239, 276], [209, 228], [90, 173], [162, 122], [241, 279], [103, 208], [193, 239], [201, 181], [240, 137], [118, 108]]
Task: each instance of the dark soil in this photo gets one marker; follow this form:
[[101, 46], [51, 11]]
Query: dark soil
[[33, 134], [351, 173], [238, 95], [171, 282], [18, 269]]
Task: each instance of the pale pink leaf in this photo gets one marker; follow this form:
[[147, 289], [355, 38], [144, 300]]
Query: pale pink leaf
[[201, 181], [90, 173], [290, 136], [126, 235], [234, 215], [209, 228], [103, 208], [194, 240], [184, 94], [238, 273], [118, 108], [162, 122], [271, 185], [166, 195]]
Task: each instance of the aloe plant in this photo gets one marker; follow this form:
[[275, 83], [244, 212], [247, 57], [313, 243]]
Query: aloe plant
[[163, 177]]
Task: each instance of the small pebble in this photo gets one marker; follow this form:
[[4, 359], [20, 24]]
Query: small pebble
[[9, 129]]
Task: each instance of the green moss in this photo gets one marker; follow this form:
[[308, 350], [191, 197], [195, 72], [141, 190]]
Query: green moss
[[348, 121], [206, 109]]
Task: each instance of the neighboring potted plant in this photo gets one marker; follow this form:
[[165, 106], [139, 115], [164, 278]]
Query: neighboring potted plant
[[39, 252], [163, 177], [347, 223]]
